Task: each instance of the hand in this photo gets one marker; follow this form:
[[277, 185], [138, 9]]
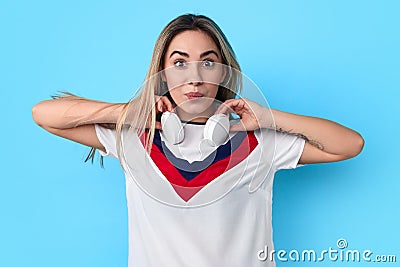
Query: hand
[[252, 115], [163, 104]]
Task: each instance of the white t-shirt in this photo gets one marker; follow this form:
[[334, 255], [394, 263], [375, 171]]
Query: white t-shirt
[[202, 207]]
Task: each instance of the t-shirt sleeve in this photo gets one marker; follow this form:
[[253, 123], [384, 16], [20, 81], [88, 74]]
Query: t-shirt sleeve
[[107, 138], [289, 148]]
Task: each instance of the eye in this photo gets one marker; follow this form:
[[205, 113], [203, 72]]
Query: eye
[[208, 63], [179, 63]]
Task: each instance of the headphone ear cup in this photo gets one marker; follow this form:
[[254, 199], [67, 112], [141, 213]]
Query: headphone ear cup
[[172, 129], [216, 130]]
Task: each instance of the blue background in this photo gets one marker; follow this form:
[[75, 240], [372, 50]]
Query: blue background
[[332, 59]]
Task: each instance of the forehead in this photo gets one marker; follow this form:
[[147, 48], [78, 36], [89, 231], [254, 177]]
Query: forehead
[[192, 42]]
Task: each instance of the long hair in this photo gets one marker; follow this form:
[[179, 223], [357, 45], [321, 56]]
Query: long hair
[[144, 116]]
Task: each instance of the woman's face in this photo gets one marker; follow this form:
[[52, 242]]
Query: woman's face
[[193, 72]]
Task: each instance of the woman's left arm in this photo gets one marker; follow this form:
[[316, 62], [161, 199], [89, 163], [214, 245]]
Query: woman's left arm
[[326, 141]]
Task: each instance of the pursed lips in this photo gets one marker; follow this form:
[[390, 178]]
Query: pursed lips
[[193, 95]]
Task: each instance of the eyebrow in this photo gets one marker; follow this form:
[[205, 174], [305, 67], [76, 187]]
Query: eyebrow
[[184, 54]]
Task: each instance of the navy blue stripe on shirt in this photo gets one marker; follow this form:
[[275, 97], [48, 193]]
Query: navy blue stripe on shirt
[[190, 170]]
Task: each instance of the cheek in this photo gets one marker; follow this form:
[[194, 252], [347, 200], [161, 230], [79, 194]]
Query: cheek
[[212, 90], [177, 95], [174, 81]]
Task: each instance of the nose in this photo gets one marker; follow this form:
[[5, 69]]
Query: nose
[[194, 76]]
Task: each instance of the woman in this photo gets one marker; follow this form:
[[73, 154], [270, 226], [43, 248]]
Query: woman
[[221, 214]]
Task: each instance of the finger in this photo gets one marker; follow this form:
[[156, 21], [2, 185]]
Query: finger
[[241, 107], [157, 98], [167, 103], [222, 109], [225, 107], [240, 103], [237, 106], [158, 125], [235, 103], [237, 127], [159, 106]]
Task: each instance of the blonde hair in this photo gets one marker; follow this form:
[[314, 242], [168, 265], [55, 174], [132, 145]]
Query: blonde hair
[[144, 103]]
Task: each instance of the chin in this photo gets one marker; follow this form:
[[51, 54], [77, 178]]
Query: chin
[[198, 107]]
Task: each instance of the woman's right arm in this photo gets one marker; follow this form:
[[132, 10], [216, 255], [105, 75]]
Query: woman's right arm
[[73, 118]]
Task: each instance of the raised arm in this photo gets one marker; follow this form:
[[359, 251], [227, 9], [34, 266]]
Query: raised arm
[[73, 118], [327, 141]]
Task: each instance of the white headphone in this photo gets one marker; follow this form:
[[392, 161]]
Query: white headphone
[[216, 130]]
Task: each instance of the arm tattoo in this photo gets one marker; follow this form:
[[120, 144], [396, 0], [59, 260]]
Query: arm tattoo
[[312, 142]]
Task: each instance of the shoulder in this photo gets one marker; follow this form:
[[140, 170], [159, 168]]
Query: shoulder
[[108, 137], [287, 147]]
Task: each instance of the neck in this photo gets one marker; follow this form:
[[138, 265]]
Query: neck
[[198, 117]]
